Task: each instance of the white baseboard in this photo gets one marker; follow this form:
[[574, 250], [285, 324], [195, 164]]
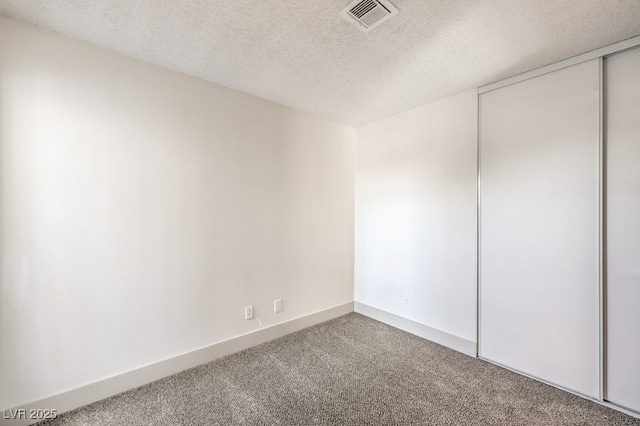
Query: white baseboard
[[102, 389], [459, 344]]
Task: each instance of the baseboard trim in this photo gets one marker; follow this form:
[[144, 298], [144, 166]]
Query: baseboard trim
[[75, 398], [443, 338]]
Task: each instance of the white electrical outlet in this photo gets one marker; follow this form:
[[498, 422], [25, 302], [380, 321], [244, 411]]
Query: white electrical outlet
[[277, 306], [407, 302], [248, 312]]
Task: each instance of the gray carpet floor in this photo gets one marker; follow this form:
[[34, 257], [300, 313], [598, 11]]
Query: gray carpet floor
[[348, 371]]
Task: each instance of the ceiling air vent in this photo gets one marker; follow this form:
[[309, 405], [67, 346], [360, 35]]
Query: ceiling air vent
[[368, 14]]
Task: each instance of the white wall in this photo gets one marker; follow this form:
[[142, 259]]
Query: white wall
[[416, 215], [142, 209]]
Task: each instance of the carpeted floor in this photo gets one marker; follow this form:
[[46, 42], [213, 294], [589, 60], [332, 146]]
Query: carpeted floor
[[348, 371]]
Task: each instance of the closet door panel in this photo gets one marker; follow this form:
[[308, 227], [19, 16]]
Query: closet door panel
[[623, 229], [539, 226]]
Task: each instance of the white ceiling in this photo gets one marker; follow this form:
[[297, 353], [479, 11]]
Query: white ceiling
[[301, 54]]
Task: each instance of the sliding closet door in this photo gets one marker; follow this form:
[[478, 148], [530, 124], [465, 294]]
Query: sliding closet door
[[623, 229], [539, 225]]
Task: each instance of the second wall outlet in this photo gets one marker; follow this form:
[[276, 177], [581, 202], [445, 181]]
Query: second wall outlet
[[248, 312], [277, 306]]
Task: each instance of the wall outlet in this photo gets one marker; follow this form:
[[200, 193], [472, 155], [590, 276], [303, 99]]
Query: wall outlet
[[248, 312], [277, 306], [407, 302]]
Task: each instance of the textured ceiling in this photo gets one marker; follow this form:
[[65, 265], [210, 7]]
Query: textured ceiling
[[301, 54]]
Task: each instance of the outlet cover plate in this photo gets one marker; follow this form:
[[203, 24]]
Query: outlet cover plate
[[248, 312]]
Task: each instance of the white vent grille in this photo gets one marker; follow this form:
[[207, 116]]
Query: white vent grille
[[368, 14]]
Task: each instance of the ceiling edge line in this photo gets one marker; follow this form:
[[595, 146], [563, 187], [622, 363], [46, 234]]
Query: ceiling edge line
[[629, 43]]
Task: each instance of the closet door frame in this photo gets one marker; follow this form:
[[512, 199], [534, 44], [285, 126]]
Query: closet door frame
[[540, 160], [605, 301], [600, 55]]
